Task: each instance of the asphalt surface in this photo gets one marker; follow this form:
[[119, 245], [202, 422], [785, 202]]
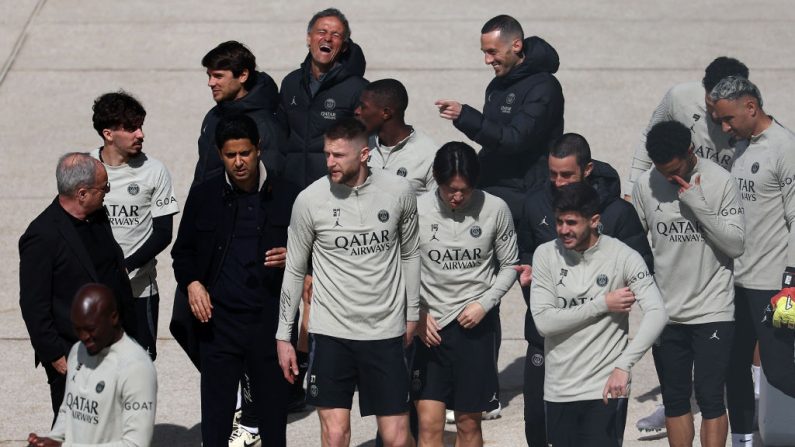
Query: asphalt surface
[[617, 60]]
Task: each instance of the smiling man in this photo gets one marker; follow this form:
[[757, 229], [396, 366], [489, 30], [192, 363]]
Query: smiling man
[[228, 260], [522, 115], [569, 162], [323, 90], [359, 228], [584, 286], [140, 204]]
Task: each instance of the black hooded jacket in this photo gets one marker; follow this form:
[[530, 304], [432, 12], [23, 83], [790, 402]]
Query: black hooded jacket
[[618, 219], [260, 104], [305, 117], [522, 115]]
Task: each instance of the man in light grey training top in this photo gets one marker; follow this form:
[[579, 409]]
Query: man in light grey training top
[[111, 390], [360, 229], [764, 169], [689, 103], [395, 146], [140, 204], [691, 207], [584, 285]]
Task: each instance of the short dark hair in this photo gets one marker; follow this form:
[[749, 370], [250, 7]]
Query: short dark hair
[[389, 93], [505, 24], [349, 129], [117, 110], [456, 158], [235, 57], [720, 68], [667, 140], [577, 197], [236, 127], [331, 12], [572, 144]]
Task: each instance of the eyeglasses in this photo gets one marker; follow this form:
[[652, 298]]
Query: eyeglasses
[[105, 189]]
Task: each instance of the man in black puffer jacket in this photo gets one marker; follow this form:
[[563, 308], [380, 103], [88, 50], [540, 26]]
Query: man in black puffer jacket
[[237, 89], [325, 89], [522, 115], [569, 162]]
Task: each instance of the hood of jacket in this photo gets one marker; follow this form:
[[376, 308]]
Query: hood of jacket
[[539, 57], [606, 182], [263, 95], [350, 63]]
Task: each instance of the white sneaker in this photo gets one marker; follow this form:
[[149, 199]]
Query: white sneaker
[[449, 416], [493, 414], [653, 422], [242, 438]]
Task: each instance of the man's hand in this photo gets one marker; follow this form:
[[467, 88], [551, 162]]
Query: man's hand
[[525, 274], [199, 301], [60, 365], [620, 301], [683, 185], [35, 441], [287, 360], [449, 109], [784, 308], [411, 329], [428, 330], [617, 385], [306, 293], [276, 257], [471, 315]]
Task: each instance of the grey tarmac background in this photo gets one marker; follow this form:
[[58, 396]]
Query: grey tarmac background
[[617, 60]]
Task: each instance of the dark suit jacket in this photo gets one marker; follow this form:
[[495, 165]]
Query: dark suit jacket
[[53, 265], [201, 247]]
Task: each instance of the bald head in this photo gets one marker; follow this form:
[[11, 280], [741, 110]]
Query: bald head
[[95, 317]]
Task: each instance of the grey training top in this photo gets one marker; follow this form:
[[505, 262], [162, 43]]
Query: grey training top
[[411, 158], [110, 397], [764, 169], [365, 259], [467, 254], [695, 237], [685, 103], [583, 341]]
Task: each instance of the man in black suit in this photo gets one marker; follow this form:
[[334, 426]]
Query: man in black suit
[[68, 245]]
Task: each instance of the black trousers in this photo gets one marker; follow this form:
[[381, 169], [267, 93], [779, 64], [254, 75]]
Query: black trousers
[[586, 423], [775, 351], [229, 344], [57, 382], [534, 417]]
